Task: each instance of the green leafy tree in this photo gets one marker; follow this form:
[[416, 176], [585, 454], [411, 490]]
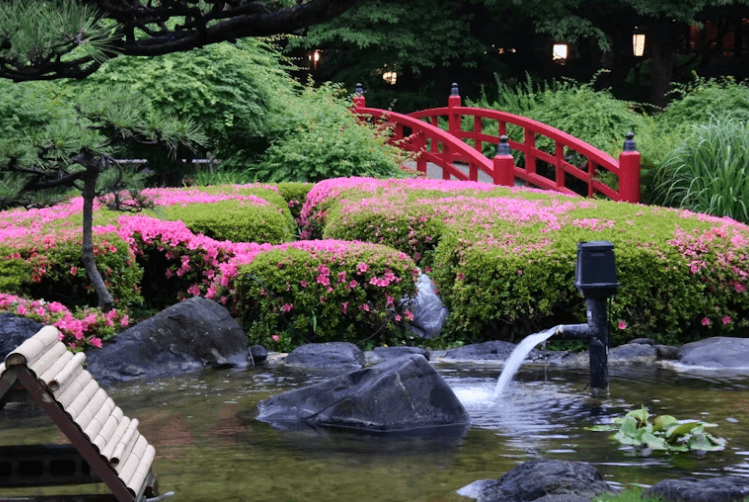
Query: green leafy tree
[[235, 91], [50, 39], [73, 153]]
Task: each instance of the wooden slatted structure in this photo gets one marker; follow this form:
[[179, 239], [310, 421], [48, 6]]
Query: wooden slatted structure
[[105, 445]]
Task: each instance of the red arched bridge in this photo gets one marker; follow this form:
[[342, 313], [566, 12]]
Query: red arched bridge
[[550, 159]]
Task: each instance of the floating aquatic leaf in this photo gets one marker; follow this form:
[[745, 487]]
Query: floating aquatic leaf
[[662, 422]]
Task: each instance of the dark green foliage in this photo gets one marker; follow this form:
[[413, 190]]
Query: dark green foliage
[[234, 91], [325, 140]]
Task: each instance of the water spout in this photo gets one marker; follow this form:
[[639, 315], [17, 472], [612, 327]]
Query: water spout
[[512, 365]]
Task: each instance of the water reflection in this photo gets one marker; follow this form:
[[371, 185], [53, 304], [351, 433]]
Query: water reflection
[[210, 447]]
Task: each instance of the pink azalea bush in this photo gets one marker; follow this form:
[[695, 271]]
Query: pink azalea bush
[[503, 259], [81, 330], [317, 291]]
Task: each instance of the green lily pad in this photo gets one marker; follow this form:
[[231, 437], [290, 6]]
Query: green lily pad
[[663, 422]]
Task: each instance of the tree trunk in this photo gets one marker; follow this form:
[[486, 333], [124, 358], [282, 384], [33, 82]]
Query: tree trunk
[[89, 193], [663, 62]]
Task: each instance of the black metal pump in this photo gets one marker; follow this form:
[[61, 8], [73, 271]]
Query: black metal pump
[[595, 278]]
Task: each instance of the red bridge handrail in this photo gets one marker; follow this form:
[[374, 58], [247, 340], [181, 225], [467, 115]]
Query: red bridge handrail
[[452, 147], [502, 169]]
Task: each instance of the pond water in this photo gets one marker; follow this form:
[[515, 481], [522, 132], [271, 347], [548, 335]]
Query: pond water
[[210, 447]]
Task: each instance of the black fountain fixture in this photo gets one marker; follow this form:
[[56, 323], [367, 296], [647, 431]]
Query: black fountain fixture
[[595, 278]]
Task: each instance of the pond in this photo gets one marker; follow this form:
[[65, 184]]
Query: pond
[[210, 447]]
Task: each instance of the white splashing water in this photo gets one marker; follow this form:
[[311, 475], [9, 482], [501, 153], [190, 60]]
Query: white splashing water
[[512, 365]]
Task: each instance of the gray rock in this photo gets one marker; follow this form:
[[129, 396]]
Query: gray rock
[[716, 352], [538, 479], [667, 352], [388, 353], [486, 351], [259, 353], [402, 394], [329, 355], [643, 341], [565, 497], [473, 490], [14, 330], [633, 353], [689, 489], [427, 309], [185, 337]]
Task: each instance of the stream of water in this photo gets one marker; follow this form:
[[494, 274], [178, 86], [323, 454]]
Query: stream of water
[[518, 356]]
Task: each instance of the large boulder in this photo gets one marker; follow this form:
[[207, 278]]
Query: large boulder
[[486, 351], [14, 330], [326, 356], [689, 489], [405, 393], [546, 481], [185, 337], [716, 352]]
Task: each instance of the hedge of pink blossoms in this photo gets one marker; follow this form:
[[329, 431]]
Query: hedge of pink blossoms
[[180, 196], [81, 331]]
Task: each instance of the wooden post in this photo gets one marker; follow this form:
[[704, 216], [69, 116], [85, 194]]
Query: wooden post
[[504, 164], [629, 171]]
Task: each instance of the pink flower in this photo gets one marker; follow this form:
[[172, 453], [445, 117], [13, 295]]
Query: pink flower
[[408, 315], [276, 338], [21, 310], [40, 312], [705, 321], [341, 276], [74, 271], [286, 307], [726, 320], [397, 318], [622, 325], [352, 284], [361, 267], [124, 321], [364, 307], [344, 306], [194, 290], [303, 284], [323, 279], [96, 342], [520, 272]]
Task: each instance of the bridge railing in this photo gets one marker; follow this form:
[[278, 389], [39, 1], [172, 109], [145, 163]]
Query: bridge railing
[[565, 164]]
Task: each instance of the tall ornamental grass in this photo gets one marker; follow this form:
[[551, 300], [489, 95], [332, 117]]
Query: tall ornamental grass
[[709, 171]]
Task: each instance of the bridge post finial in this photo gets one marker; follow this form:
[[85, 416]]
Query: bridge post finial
[[454, 90], [359, 99], [629, 171], [504, 164], [629, 143]]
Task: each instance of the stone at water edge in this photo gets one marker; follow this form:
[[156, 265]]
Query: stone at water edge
[[185, 337], [689, 489], [14, 330], [427, 309], [326, 356], [405, 393], [716, 352], [535, 480]]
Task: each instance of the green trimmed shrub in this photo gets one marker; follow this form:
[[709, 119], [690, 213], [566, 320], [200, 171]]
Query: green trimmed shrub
[[350, 292], [235, 221], [294, 194]]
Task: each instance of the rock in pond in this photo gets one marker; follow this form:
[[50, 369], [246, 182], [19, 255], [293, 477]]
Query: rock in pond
[[716, 352], [185, 337], [326, 356], [14, 330], [546, 481], [405, 393], [427, 308], [689, 489]]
